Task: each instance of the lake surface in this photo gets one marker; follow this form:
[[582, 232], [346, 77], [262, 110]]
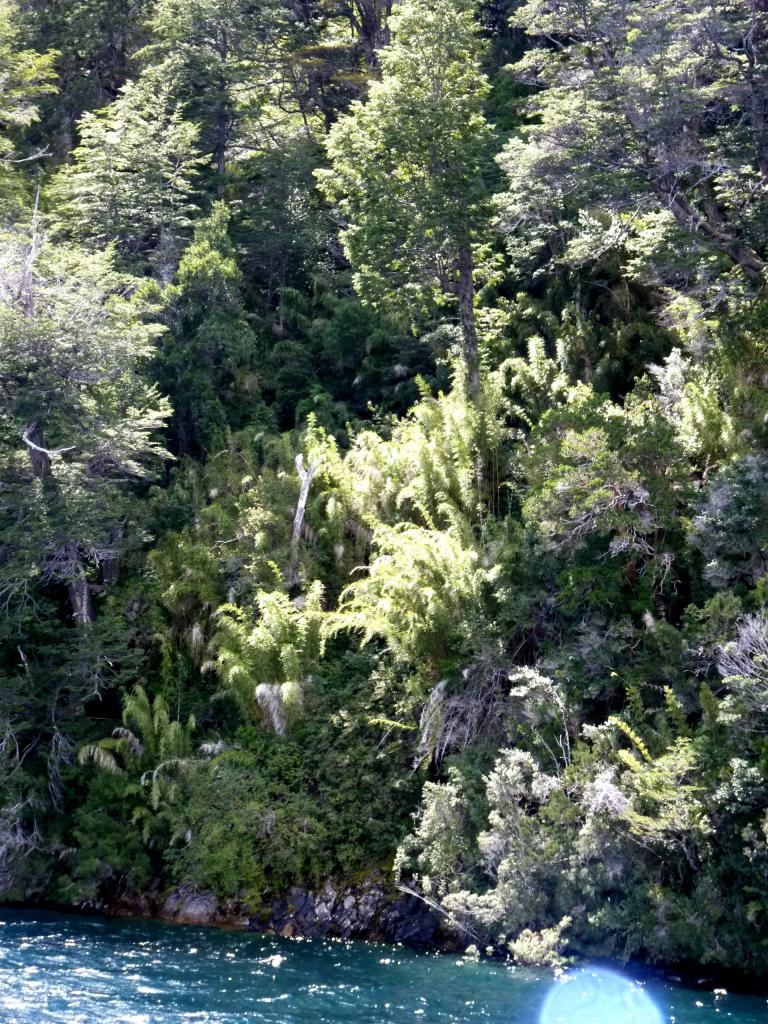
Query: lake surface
[[83, 970]]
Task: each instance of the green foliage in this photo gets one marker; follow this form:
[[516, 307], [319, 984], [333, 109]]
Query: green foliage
[[25, 77], [206, 51], [730, 523], [111, 856], [442, 517], [248, 833], [333, 796], [131, 177], [410, 164], [425, 595], [440, 466], [207, 361], [94, 44], [147, 736], [268, 666], [139, 769], [71, 441], [544, 948], [672, 193], [440, 846]]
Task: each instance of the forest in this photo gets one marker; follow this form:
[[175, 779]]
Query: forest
[[384, 461]]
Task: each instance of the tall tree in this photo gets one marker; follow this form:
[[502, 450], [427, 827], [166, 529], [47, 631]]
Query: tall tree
[[370, 21], [648, 129], [25, 76], [79, 432], [131, 178], [94, 41], [78, 423], [409, 169], [207, 362], [208, 50]]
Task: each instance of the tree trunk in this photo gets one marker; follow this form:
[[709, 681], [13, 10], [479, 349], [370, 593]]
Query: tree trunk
[[80, 598], [466, 294], [166, 258], [38, 455], [690, 218], [222, 116], [109, 556], [372, 28]]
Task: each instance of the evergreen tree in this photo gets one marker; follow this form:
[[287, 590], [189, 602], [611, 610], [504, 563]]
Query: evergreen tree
[[94, 43], [131, 178], [210, 54], [207, 362], [79, 421], [25, 77], [647, 137]]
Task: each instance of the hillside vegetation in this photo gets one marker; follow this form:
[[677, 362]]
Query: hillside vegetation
[[384, 460]]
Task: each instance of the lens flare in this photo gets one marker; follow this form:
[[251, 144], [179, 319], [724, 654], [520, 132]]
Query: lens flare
[[595, 996]]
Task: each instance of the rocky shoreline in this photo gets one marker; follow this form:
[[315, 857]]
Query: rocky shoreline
[[370, 910]]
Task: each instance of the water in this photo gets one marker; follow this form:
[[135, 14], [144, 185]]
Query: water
[[80, 970]]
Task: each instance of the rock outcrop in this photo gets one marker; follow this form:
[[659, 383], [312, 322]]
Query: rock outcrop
[[190, 905], [370, 910], [366, 911]]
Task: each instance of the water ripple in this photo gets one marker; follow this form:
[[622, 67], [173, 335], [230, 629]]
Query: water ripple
[[79, 970]]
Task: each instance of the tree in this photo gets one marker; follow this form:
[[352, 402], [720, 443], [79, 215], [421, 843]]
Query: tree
[[78, 423], [139, 771], [647, 136], [94, 42], [25, 77], [729, 528], [78, 434], [409, 169], [208, 51], [370, 20], [283, 227], [207, 361], [131, 177]]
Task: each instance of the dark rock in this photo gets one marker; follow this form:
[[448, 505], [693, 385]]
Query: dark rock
[[370, 910], [410, 921], [365, 911], [188, 905], [132, 904]]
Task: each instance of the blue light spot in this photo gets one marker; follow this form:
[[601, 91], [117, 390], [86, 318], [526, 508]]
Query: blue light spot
[[595, 996]]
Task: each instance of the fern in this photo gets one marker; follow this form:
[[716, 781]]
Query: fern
[[675, 713], [266, 666], [388, 723], [103, 759], [633, 737]]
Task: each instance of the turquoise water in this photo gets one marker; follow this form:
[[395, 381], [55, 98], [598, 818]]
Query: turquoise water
[[82, 970]]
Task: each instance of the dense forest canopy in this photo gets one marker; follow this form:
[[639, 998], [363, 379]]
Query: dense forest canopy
[[384, 460]]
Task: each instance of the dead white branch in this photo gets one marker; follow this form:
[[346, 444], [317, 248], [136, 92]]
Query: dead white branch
[[306, 476], [50, 452]]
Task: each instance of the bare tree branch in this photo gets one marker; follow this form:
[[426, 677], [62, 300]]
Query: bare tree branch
[[306, 476], [50, 452]]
